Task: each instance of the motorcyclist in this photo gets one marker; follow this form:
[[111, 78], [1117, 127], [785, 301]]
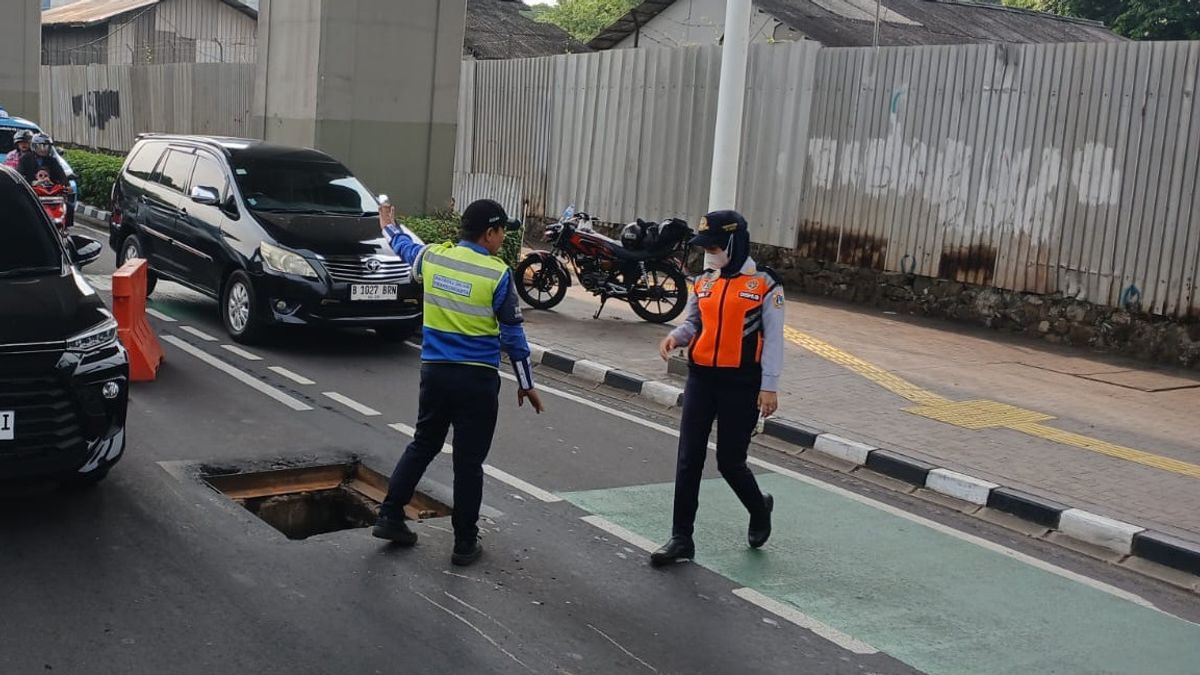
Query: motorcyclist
[[42, 158], [21, 141]]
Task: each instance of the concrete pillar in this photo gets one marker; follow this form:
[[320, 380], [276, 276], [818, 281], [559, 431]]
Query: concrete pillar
[[21, 54], [373, 83]]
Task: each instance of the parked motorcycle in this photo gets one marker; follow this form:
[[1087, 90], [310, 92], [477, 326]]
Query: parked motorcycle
[[644, 268]]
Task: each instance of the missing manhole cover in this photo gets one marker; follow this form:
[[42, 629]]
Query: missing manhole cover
[[304, 502]]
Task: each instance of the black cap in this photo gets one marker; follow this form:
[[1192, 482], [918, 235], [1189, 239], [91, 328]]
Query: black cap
[[485, 214], [716, 227]]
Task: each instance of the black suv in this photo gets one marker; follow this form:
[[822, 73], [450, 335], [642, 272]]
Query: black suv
[[278, 235], [63, 374]]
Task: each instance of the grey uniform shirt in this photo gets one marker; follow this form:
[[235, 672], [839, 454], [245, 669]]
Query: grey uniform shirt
[[772, 326]]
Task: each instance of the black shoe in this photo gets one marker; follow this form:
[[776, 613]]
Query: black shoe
[[395, 531], [466, 552], [678, 549], [760, 526]]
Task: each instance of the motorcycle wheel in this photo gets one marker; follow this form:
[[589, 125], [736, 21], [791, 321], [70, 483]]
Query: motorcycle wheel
[[660, 295], [540, 284]]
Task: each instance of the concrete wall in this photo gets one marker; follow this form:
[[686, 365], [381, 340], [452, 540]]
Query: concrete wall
[[376, 88], [21, 53]]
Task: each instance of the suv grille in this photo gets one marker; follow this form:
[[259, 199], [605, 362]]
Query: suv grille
[[47, 422], [367, 269]]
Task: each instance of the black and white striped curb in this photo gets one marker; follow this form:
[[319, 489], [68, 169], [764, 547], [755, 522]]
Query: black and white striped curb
[[1119, 537], [92, 213]]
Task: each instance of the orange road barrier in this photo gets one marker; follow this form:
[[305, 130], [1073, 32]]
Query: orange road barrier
[[129, 307]]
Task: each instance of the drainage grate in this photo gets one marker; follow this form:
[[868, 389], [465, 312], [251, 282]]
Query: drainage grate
[[314, 500]]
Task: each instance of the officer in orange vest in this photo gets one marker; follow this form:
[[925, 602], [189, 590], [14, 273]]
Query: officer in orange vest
[[734, 333]]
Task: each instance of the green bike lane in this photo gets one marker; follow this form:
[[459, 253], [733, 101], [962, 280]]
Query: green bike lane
[[933, 600]]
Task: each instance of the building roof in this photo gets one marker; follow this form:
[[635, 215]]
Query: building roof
[[504, 29], [92, 12], [850, 23]]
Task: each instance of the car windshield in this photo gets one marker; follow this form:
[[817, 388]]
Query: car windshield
[[30, 245], [289, 186]]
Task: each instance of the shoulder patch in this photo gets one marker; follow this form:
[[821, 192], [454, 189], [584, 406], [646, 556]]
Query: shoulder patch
[[777, 300]]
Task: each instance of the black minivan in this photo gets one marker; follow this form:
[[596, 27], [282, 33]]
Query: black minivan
[[64, 376], [278, 235]]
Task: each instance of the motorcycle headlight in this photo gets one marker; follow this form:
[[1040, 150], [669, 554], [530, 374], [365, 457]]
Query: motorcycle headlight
[[100, 336], [286, 262]]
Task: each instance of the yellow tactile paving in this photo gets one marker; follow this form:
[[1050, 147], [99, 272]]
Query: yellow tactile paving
[[982, 414]]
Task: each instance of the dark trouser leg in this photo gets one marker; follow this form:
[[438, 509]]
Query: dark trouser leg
[[737, 413], [474, 424], [433, 421], [699, 410]]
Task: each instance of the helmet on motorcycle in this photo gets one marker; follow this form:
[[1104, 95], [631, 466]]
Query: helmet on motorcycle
[[632, 236], [23, 136], [41, 144]]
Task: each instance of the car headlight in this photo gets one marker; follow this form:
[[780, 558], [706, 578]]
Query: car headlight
[[286, 262], [103, 334]]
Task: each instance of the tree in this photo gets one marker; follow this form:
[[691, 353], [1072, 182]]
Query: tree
[[584, 19], [1135, 19]]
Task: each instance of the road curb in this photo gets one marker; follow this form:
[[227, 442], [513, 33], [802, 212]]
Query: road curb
[[92, 213], [1124, 539]]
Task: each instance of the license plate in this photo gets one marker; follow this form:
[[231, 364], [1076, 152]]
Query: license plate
[[374, 291], [7, 422]]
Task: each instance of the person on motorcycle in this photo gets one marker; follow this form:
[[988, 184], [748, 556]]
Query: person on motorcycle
[[41, 158], [734, 330], [21, 141]]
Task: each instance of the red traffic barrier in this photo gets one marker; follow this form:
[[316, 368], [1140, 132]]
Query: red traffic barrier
[[129, 308]]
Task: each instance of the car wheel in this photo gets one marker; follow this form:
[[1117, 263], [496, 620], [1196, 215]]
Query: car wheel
[[400, 333], [239, 309], [132, 249]]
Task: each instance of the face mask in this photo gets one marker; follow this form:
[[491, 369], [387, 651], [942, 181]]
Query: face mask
[[716, 261]]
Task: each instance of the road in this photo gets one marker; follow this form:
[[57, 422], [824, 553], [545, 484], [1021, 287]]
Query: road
[[155, 572]]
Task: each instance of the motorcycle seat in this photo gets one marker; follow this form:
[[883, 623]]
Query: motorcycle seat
[[626, 255]]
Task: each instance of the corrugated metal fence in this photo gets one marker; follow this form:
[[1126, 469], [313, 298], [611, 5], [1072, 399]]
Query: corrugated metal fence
[[102, 106], [1047, 168]]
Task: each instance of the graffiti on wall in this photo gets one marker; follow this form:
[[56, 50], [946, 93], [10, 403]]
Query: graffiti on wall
[[99, 107]]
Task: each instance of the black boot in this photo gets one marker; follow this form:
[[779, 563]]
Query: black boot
[[678, 549], [760, 525], [395, 531], [466, 552]]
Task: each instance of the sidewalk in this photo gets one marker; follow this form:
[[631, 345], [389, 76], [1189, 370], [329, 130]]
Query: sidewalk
[[1107, 435]]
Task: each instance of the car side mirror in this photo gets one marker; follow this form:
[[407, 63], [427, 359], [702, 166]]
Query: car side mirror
[[83, 250], [202, 194]]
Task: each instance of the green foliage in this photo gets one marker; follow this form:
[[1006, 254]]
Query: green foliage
[[442, 227], [97, 174], [584, 19], [1135, 19]]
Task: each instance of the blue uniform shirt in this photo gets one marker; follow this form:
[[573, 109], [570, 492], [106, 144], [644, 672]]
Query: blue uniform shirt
[[445, 347]]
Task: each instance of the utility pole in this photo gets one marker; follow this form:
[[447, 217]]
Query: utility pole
[[731, 99]]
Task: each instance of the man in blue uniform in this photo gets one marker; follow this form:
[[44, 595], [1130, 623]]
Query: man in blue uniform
[[471, 313]]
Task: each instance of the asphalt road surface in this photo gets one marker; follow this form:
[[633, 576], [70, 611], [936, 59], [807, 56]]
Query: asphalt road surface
[[154, 571]]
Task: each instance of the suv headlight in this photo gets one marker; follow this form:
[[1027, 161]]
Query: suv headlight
[[286, 262], [100, 336]]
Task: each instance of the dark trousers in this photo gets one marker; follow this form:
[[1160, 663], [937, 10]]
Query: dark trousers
[[733, 402], [467, 398]]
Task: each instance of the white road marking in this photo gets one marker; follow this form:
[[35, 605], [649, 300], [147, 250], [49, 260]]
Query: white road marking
[[514, 482], [198, 333], [352, 404], [621, 533], [101, 282], [805, 621], [499, 474], [298, 379], [241, 352], [293, 403], [887, 508], [159, 315]]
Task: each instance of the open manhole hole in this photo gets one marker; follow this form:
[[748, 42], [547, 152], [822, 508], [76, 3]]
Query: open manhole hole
[[314, 500]]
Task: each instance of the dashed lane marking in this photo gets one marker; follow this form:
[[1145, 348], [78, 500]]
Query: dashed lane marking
[[262, 387], [159, 315], [241, 352], [298, 379], [198, 333], [352, 404]]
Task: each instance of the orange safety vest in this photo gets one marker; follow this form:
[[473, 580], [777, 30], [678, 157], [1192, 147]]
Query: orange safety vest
[[731, 334]]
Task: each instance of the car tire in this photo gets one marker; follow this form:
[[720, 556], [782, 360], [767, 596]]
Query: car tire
[[240, 310], [132, 247], [397, 334]]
